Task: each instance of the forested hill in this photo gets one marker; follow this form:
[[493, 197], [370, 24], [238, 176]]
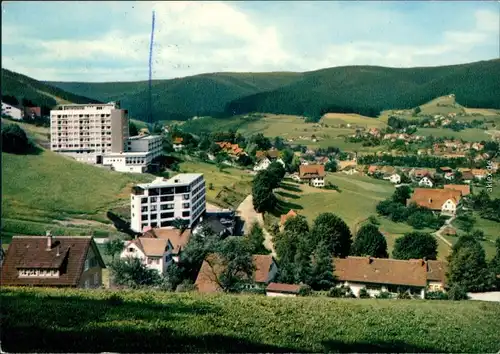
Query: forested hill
[[350, 89], [206, 94], [370, 89], [18, 88]]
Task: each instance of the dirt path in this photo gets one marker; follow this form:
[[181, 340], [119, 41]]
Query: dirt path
[[248, 214], [439, 232]]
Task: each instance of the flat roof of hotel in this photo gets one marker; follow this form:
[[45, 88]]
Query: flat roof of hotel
[[180, 179], [144, 137]]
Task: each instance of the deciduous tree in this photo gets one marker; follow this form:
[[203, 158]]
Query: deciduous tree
[[415, 245], [334, 231], [370, 242]]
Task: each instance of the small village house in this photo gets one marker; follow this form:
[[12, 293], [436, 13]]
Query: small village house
[[390, 275], [176, 239], [291, 214], [207, 280], [426, 182], [479, 173], [280, 289], [53, 261], [32, 112], [265, 158], [313, 174], [394, 178], [177, 143], [153, 252], [444, 201], [12, 111]]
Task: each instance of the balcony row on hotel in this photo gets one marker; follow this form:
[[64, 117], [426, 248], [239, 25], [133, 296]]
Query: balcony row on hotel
[[99, 134]]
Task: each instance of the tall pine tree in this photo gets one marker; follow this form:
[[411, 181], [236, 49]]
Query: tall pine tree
[[323, 276]]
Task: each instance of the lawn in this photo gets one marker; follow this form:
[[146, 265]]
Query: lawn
[[226, 188], [51, 320], [357, 200], [39, 191]]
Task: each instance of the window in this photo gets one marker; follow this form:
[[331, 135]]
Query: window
[[153, 207], [166, 215], [144, 200], [144, 216], [86, 265], [185, 213], [154, 199], [153, 224], [185, 205], [167, 198], [144, 209], [186, 196], [153, 216], [149, 261], [87, 284], [131, 249], [96, 279]]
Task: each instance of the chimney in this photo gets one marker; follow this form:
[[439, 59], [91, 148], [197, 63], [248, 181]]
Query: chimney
[[49, 240]]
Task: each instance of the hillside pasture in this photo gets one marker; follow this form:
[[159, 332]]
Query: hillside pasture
[[36, 320], [356, 201], [441, 105], [469, 134]]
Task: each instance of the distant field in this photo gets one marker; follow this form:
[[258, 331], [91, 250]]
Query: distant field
[[466, 134], [482, 111], [36, 320], [237, 181], [441, 105]]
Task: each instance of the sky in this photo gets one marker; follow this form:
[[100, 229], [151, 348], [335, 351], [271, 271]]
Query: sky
[[109, 41]]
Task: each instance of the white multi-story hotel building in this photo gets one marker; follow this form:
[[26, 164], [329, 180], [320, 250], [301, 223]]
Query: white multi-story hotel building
[[141, 150], [88, 131], [159, 203]]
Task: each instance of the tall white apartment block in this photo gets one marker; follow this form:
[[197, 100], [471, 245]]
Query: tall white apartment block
[[159, 203], [88, 131]]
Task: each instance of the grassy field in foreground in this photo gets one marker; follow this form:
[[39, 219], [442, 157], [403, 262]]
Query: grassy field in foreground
[[46, 191], [48, 320], [356, 201]]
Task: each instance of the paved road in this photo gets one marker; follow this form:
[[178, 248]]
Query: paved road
[[248, 214], [439, 232]]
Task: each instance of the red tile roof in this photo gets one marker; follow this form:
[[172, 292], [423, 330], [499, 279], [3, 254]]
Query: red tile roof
[[283, 288], [434, 198], [463, 188], [178, 140], [311, 171], [381, 271], [206, 281], [177, 240], [67, 255], [287, 216]]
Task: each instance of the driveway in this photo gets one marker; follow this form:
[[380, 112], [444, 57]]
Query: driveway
[[439, 232], [248, 214]]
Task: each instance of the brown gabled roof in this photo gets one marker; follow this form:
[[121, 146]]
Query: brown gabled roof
[[479, 172], [344, 164], [434, 198], [283, 288], [31, 252], [467, 175], [273, 153], [287, 216], [176, 239], [206, 281], [436, 271], [463, 188], [372, 169], [152, 247], [260, 154], [381, 271], [311, 171], [178, 140], [446, 169]]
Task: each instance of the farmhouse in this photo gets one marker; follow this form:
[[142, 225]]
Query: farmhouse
[[262, 164], [314, 174], [443, 200], [343, 165], [207, 280], [53, 261], [391, 275], [280, 289], [393, 178], [479, 173], [233, 150]]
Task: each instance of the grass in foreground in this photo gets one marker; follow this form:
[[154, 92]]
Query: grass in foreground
[[51, 320]]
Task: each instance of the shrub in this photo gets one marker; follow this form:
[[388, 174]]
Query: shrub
[[404, 295], [457, 292], [363, 293], [305, 290], [15, 140], [342, 291], [436, 295], [384, 295]]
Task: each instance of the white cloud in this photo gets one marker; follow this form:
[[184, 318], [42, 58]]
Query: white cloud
[[197, 37]]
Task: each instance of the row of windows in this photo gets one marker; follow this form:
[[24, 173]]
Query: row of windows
[[164, 223], [96, 281], [81, 115], [38, 273], [165, 198], [154, 216], [78, 145]]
